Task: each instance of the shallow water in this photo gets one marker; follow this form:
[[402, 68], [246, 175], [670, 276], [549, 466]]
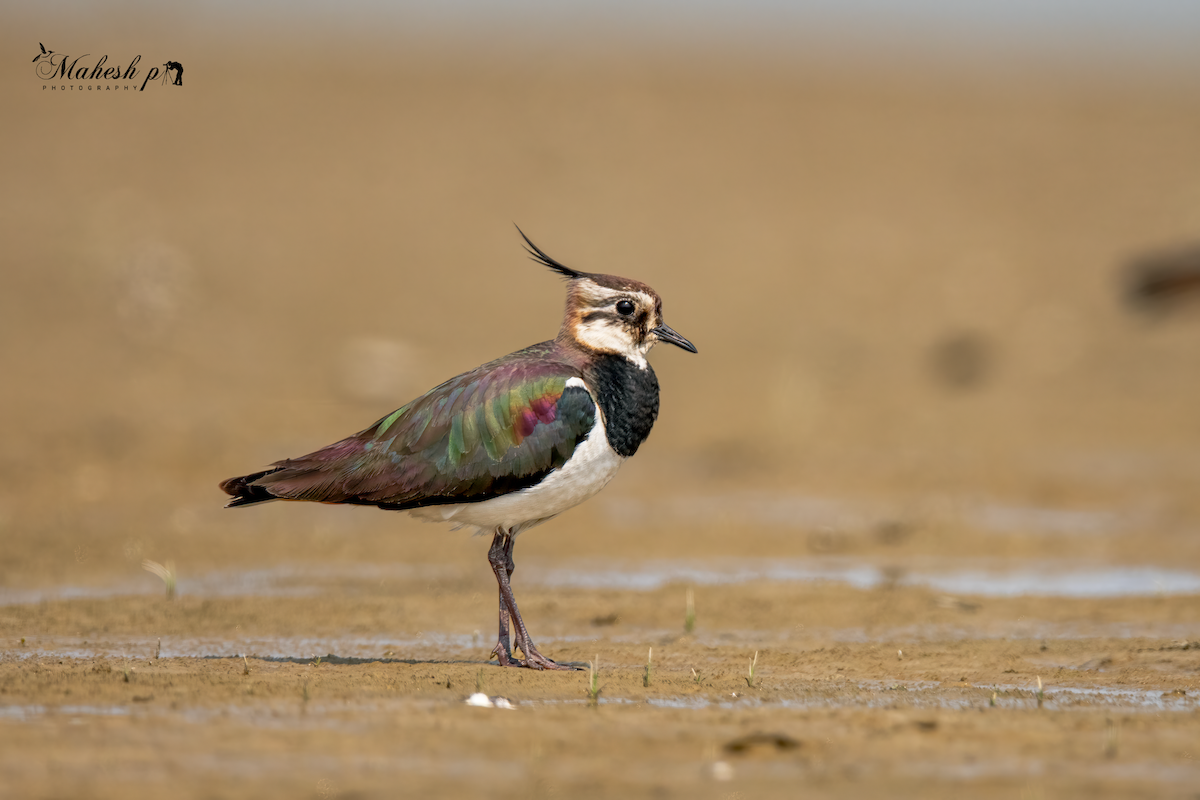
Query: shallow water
[[921, 694], [849, 694], [1049, 579], [25, 713], [960, 577]]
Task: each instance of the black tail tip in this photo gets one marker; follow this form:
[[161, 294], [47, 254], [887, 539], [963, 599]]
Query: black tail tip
[[244, 491]]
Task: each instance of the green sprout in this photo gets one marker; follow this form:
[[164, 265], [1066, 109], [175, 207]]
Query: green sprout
[[593, 678], [689, 617], [646, 674], [750, 672]]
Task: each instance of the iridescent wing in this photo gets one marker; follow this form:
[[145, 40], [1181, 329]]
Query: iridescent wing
[[494, 430]]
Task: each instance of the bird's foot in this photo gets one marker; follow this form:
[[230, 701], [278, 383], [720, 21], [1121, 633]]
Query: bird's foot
[[535, 660], [501, 653]]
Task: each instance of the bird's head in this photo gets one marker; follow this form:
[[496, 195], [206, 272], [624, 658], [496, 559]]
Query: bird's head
[[608, 314]]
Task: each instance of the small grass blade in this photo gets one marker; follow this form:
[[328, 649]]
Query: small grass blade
[[593, 681], [164, 571]]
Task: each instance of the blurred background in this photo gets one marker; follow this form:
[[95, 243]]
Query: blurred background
[[915, 242]]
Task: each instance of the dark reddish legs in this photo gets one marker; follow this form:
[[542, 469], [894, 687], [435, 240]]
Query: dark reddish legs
[[500, 557]]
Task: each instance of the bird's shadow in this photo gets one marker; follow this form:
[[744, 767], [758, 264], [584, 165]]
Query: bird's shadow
[[334, 659]]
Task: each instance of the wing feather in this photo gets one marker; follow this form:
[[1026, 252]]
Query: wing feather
[[490, 431]]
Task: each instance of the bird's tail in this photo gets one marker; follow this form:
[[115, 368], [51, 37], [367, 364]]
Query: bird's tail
[[244, 491]]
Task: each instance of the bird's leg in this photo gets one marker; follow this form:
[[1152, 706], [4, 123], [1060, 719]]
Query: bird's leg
[[522, 635], [500, 557]]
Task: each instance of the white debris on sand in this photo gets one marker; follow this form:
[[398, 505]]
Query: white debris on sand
[[483, 701]]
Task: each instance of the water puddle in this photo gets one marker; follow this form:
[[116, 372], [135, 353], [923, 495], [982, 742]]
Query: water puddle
[[285, 580], [926, 695], [919, 695], [286, 715], [962, 577], [1045, 579], [27, 713]]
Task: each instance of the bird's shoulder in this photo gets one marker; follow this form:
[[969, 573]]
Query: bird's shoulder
[[496, 404]]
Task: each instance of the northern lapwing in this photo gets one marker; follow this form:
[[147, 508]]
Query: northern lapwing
[[508, 445]]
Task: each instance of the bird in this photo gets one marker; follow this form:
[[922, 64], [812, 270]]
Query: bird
[[508, 445]]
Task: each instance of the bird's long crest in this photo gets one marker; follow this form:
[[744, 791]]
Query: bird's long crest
[[536, 254]]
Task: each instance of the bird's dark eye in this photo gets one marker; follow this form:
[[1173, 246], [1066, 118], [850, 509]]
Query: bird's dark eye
[[625, 307]]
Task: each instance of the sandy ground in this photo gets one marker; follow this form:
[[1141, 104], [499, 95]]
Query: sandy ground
[[915, 359], [90, 709]]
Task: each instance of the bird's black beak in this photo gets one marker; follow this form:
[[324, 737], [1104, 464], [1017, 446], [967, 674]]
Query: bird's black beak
[[665, 334]]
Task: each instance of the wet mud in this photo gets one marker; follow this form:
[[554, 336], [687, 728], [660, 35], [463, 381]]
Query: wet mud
[[896, 690]]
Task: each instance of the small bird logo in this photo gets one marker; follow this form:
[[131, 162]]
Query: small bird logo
[[44, 54], [508, 445]]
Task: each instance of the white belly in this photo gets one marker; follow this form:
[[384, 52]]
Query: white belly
[[593, 464]]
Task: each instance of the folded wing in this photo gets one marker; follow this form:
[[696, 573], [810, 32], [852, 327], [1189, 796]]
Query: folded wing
[[497, 429]]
